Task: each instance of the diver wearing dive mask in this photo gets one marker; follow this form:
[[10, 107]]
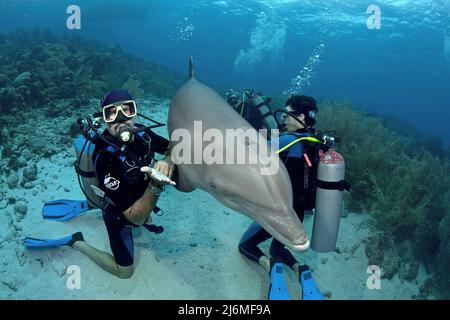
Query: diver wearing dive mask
[[297, 120], [129, 178], [119, 117]]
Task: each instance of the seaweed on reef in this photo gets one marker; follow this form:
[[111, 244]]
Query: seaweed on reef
[[405, 189], [435, 146], [397, 188], [133, 86], [367, 155], [402, 127], [442, 273], [404, 196]]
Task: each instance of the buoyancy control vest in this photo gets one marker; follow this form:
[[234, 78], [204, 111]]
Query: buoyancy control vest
[[311, 151], [85, 165]]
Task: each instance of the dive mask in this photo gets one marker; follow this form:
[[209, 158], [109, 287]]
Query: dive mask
[[127, 111]]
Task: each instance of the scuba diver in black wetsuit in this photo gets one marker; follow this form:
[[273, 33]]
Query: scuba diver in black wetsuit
[[130, 188], [122, 159], [118, 174], [298, 166]]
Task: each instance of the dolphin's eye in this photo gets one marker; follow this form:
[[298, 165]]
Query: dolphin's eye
[[212, 184]]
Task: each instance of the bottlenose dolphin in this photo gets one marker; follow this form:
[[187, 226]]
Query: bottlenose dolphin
[[267, 199]]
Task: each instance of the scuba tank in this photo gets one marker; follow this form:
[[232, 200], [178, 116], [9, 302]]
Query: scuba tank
[[263, 107], [330, 187], [84, 150], [254, 108]]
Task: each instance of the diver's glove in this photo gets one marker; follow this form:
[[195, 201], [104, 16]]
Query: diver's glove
[[157, 176]]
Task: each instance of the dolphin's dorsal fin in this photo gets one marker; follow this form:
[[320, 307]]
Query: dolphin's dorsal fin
[[191, 67]]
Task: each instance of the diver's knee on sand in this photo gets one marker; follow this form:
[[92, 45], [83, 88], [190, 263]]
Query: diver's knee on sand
[[250, 250], [125, 272], [105, 260], [252, 253], [248, 245]]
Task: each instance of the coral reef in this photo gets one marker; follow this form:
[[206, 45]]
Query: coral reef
[[13, 180], [47, 82], [381, 252], [20, 210], [409, 267], [133, 86], [39, 68], [30, 173]]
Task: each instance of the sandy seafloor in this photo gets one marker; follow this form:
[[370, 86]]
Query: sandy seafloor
[[196, 257]]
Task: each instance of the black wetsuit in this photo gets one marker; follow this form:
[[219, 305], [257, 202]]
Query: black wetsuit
[[255, 234], [124, 183]]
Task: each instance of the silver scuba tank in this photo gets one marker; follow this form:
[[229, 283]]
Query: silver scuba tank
[[269, 120], [331, 172], [86, 170]]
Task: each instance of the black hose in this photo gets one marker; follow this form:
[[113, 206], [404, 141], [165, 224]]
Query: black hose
[[295, 117], [150, 119]]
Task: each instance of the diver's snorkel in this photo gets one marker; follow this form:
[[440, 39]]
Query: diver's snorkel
[[293, 116]]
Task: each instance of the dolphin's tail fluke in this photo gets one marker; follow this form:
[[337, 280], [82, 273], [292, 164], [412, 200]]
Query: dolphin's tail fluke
[[191, 67]]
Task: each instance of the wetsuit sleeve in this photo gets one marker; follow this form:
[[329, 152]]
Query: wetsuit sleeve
[[112, 180], [159, 144]]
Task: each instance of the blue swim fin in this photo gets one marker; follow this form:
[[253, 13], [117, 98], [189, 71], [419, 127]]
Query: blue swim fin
[[61, 210], [278, 289], [66, 241], [310, 291]]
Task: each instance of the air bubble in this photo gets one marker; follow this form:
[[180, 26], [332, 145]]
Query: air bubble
[[307, 73]]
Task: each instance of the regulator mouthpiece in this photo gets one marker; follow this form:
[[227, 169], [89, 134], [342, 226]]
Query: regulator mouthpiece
[[125, 134]]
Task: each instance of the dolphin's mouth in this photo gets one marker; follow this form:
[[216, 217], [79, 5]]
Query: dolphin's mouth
[[295, 246], [243, 207]]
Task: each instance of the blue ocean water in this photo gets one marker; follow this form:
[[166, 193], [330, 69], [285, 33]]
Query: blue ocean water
[[324, 49]]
